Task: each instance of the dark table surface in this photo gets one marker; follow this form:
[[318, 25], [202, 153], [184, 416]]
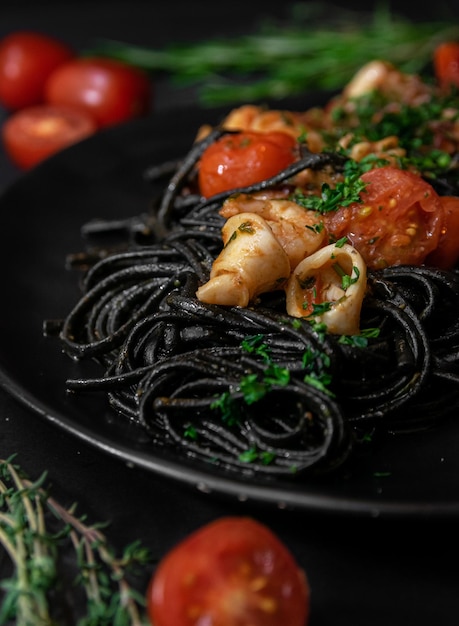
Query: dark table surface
[[363, 570]]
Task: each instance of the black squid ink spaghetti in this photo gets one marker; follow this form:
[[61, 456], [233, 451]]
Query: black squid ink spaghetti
[[270, 326]]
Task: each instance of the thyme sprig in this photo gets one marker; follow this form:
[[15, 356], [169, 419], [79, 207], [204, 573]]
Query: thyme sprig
[[287, 57], [35, 553]]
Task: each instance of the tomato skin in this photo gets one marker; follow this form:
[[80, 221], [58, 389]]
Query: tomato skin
[[35, 133], [231, 572], [111, 91], [399, 220], [26, 61], [446, 254], [446, 64], [242, 159]]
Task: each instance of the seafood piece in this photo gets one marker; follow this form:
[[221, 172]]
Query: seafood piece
[[329, 286], [252, 262], [387, 148], [384, 77], [250, 117], [300, 231], [260, 119]]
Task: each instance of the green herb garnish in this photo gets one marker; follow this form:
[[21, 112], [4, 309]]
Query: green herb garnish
[[252, 386], [255, 344], [27, 514], [316, 48], [360, 341], [316, 366], [332, 198], [252, 455]]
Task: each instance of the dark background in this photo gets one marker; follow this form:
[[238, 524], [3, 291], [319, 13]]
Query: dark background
[[363, 571]]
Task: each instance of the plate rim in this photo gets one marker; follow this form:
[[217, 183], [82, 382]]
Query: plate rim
[[208, 483]]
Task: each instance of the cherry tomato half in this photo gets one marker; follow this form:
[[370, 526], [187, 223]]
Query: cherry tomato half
[[446, 64], [243, 159], [26, 61], [399, 220], [231, 572], [35, 133], [111, 91], [446, 254]]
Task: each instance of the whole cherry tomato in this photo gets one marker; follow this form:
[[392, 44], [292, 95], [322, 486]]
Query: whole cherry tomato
[[242, 159], [35, 133], [446, 64], [399, 220], [111, 91], [26, 61], [231, 572]]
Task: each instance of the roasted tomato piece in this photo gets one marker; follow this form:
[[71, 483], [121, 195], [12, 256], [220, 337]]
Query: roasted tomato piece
[[446, 254], [446, 64], [244, 158], [399, 220]]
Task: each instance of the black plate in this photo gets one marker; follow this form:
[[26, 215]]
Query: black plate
[[41, 216]]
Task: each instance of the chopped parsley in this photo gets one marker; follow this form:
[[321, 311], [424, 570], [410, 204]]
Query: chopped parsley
[[252, 455], [332, 198], [346, 279], [373, 119], [360, 341], [316, 366]]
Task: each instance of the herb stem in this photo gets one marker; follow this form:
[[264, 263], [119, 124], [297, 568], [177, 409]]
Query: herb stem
[[33, 551], [92, 539]]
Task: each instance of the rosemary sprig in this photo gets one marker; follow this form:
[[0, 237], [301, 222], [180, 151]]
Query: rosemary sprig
[[35, 551], [320, 46]]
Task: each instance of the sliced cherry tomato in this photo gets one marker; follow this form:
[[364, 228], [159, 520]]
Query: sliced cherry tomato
[[446, 64], [399, 220], [111, 91], [35, 133], [243, 159], [26, 61], [231, 572], [446, 254]]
